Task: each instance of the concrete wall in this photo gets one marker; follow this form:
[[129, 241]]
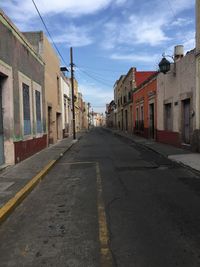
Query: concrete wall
[[18, 59], [198, 26], [173, 87]]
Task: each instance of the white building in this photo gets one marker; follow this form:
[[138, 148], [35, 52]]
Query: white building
[[66, 106], [176, 100]]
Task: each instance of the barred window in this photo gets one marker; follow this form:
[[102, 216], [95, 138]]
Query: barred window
[[38, 111], [26, 109]]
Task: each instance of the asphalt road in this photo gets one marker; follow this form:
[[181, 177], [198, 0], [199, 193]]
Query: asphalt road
[[152, 209]]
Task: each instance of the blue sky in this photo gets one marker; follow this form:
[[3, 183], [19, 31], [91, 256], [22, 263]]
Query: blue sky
[[109, 36]]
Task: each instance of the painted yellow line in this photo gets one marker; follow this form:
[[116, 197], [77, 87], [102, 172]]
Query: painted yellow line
[[106, 257], [77, 162], [13, 202]]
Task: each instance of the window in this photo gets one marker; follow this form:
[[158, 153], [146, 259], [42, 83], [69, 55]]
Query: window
[[129, 95], [38, 111], [168, 117], [124, 99], [142, 118], [137, 118], [26, 109]]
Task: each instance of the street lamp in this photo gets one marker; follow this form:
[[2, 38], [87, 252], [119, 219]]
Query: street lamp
[[164, 65]]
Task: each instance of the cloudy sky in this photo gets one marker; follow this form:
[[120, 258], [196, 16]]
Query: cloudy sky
[[108, 36]]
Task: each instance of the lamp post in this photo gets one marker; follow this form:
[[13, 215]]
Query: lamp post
[[164, 65]]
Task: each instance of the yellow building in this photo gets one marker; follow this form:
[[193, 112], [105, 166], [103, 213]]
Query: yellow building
[[53, 108]]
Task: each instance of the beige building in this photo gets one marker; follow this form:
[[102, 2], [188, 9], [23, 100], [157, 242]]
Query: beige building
[[127, 112], [176, 100], [179, 97], [85, 116], [197, 132], [22, 115], [118, 89], [123, 89], [80, 111], [53, 107]]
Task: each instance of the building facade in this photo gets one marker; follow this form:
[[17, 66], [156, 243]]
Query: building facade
[[196, 135], [53, 96], [176, 105], [145, 108], [66, 105], [22, 98]]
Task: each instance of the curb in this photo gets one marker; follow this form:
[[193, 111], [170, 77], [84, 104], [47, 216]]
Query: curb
[[10, 206], [155, 151]]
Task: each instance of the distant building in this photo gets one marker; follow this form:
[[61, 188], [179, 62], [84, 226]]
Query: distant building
[[85, 115], [66, 105], [22, 96], [123, 91], [110, 114]]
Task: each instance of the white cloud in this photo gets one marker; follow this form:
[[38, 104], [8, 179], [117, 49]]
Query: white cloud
[[74, 36], [181, 22], [145, 27], [143, 58], [97, 96], [21, 10]]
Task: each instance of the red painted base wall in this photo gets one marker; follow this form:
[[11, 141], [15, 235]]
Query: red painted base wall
[[171, 138], [25, 149]]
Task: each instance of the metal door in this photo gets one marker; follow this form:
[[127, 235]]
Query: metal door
[[1, 130], [186, 121], [151, 121]]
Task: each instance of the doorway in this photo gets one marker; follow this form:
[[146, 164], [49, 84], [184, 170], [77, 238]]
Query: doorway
[[186, 121], [58, 125], [151, 121], [126, 120], [50, 138], [1, 127]]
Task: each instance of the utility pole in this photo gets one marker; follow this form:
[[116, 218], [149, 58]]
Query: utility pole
[[72, 83], [88, 116]]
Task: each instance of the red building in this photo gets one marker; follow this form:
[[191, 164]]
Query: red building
[[145, 105]]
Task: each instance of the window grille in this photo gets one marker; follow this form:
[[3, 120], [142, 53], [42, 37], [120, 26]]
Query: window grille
[[38, 111], [26, 109]]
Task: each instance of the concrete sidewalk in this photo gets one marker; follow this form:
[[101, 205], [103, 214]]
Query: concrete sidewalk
[[179, 155], [18, 180]]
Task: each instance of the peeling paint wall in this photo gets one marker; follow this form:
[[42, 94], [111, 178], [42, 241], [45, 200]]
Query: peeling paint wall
[[16, 56]]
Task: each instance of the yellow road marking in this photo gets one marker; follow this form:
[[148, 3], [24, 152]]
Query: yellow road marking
[[77, 162], [106, 257], [105, 253], [13, 202]]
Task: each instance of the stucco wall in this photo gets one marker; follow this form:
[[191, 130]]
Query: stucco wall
[[177, 85], [17, 59], [145, 96], [52, 81], [15, 52]]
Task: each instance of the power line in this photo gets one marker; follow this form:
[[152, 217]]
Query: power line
[[92, 77], [172, 10], [48, 31], [99, 76], [101, 69]]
